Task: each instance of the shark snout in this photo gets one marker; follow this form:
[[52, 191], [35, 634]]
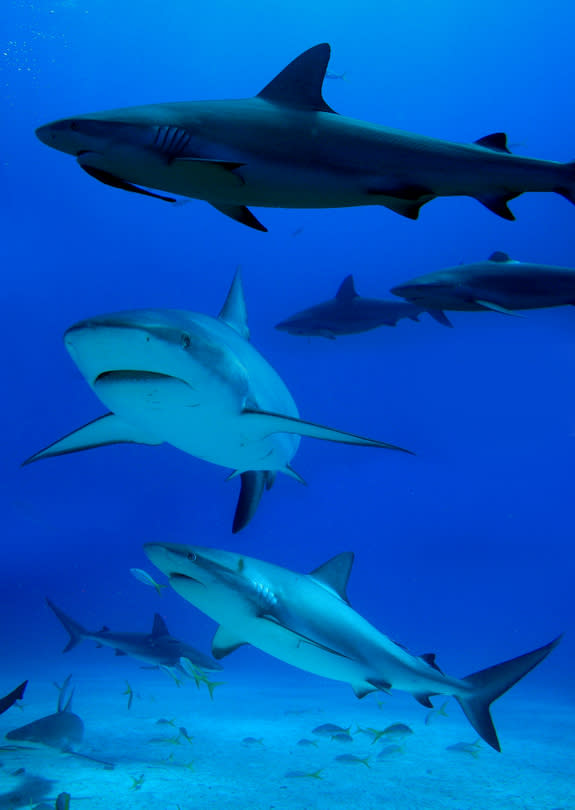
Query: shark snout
[[171, 559]]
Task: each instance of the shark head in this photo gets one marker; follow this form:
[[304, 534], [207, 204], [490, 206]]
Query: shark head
[[197, 564]]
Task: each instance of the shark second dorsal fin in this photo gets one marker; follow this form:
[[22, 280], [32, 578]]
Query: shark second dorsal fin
[[346, 290], [499, 256], [159, 627], [334, 574], [300, 84], [234, 311]]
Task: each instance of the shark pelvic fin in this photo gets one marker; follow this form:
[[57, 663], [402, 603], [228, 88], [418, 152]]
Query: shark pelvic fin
[[346, 291], [496, 307], [300, 84], [289, 471], [265, 423], [334, 574], [440, 316], [234, 311], [499, 256], [253, 485], [225, 642], [404, 206], [424, 700], [104, 430], [159, 628], [498, 204], [241, 214], [360, 690], [497, 142], [109, 179]]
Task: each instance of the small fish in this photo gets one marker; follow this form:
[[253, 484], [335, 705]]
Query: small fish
[[351, 759], [397, 731], [212, 685], [137, 783], [329, 729], [185, 735], [390, 751], [165, 722], [18, 772], [306, 743], [436, 713], [63, 801], [130, 692], [189, 765], [253, 741], [466, 748], [373, 733], [297, 231], [304, 774], [344, 737], [147, 579]]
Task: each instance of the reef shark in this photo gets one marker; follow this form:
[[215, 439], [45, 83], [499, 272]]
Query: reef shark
[[158, 648], [306, 620], [500, 284], [349, 313], [197, 383], [59, 730], [287, 148]]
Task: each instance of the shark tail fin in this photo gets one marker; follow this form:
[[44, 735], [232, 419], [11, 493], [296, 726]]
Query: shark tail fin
[[75, 630], [253, 484], [568, 189], [489, 684]]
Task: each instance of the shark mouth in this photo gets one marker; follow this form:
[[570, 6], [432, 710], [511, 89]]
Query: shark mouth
[[178, 576], [132, 376]]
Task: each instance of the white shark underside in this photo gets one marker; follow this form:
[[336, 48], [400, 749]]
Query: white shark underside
[[286, 148], [194, 382], [307, 621]]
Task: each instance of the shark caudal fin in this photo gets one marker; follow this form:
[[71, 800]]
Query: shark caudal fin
[[75, 630], [489, 684], [568, 190]]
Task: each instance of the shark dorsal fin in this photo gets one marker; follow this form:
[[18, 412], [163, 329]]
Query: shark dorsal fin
[[159, 627], [497, 142], [234, 311], [334, 574], [499, 256], [300, 83], [347, 290]]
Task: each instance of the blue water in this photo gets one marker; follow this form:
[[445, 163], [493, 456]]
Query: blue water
[[464, 549]]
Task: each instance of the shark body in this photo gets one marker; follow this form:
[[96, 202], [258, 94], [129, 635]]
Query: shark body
[[287, 148], [197, 383], [349, 313], [157, 648], [499, 284], [307, 621], [9, 700]]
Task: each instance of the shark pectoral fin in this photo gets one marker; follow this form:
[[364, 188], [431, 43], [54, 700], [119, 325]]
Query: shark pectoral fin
[[440, 316], [225, 642], [297, 639], [496, 307], [253, 484], [241, 214], [105, 430], [265, 423], [498, 204], [362, 689], [300, 84], [109, 179]]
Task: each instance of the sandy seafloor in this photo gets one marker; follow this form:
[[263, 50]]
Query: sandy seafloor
[[534, 772]]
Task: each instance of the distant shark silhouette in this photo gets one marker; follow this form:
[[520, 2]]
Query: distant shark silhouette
[[197, 383], [348, 313], [61, 730], [32, 789], [287, 148], [307, 621], [157, 648], [499, 284], [10, 699]]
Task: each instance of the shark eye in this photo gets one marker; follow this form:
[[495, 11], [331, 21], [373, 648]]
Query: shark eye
[[191, 556], [185, 340], [74, 126]]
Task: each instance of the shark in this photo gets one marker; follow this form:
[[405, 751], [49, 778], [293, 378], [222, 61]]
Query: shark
[[306, 620], [349, 313], [62, 730], [500, 284], [197, 383], [10, 699], [287, 148], [157, 648]]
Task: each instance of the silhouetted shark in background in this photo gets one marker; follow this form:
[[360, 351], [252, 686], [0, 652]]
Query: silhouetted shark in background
[[500, 284], [157, 648], [348, 313], [9, 700], [61, 730], [307, 621], [197, 383], [287, 148]]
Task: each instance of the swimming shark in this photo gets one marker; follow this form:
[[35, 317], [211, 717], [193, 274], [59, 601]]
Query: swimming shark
[[9, 700], [287, 148], [307, 621], [348, 313], [156, 648], [197, 383], [59, 730], [500, 284]]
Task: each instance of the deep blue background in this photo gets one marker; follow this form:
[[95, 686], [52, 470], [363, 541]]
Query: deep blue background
[[466, 549]]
